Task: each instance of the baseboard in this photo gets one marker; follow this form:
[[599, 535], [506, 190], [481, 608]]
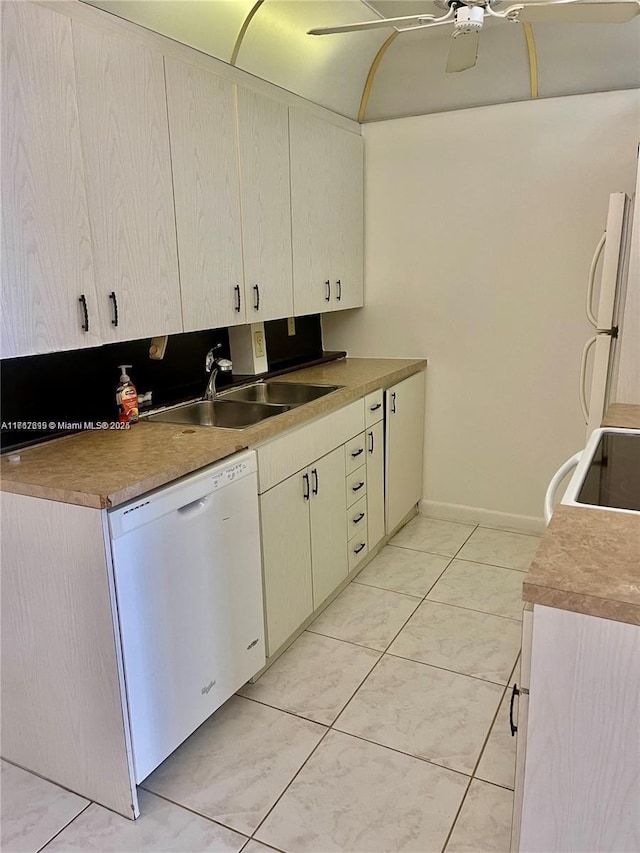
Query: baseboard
[[486, 517]]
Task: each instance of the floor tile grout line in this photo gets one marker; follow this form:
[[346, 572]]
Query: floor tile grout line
[[288, 785], [395, 749], [492, 565], [53, 837], [456, 816], [193, 811], [446, 669], [472, 609], [351, 643], [475, 768]]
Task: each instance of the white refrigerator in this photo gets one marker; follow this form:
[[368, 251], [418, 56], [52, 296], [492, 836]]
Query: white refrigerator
[[604, 308]]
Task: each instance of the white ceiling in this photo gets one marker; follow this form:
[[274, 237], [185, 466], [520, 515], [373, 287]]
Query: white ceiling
[[410, 79]]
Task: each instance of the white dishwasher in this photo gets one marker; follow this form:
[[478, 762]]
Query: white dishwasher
[[188, 584]]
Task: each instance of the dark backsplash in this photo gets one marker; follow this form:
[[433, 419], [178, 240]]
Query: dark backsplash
[[79, 385]]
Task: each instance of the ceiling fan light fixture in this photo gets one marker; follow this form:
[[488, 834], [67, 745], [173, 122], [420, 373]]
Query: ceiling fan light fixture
[[469, 19]]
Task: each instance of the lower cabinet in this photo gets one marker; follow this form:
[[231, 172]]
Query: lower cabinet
[[327, 511], [375, 483], [286, 558], [304, 537], [404, 448], [577, 780]]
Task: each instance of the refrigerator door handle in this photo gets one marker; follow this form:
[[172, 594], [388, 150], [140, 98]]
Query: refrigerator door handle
[[591, 317], [583, 377]]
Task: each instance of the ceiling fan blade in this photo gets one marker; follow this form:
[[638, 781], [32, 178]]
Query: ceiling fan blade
[[463, 50], [575, 13], [372, 25]]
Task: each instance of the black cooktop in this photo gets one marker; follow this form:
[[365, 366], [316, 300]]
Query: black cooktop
[[613, 478]]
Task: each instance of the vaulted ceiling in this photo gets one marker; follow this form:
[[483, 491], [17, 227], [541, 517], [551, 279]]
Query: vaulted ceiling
[[384, 73]]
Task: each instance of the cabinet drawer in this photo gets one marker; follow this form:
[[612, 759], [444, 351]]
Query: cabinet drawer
[[357, 549], [357, 518], [374, 407], [354, 452], [293, 451], [356, 485]]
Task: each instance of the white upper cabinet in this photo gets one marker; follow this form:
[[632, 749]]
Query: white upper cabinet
[[327, 215], [263, 129], [202, 123], [125, 138], [347, 192], [47, 263]]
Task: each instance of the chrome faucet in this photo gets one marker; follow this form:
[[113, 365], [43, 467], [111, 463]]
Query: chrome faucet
[[212, 365]]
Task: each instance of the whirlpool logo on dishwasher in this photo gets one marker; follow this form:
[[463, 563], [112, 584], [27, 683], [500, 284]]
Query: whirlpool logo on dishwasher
[[207, 688]]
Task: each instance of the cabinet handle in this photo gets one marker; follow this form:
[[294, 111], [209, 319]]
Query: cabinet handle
[[256, 304], [358, 518], [314, 474], [357, 487], [393, 402], [114, 298], [305, 492], [358, 452], [515, 692], [375, 408], [328, 296], [83, 301], [236, 290], [359, 548], [339, 296], [371, 442]]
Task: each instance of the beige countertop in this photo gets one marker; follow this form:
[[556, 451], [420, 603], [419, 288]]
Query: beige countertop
[[588, 560], [106, 468], [626, 415]]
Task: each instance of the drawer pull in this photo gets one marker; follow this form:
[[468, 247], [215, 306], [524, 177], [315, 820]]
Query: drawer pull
[[357, 452], [515, 692], [314, 474], [358, 486], [83, 301], [328, 286], [358, 518], [256, 304], [305, 493], [238, 304], [359, 548], [375, 408], [339, 296], [114, 299]]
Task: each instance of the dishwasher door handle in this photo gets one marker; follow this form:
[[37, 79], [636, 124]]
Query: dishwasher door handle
[[193, 508]]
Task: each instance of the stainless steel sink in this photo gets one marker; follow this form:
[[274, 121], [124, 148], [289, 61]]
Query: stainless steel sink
[[227, 414], [279, 393]]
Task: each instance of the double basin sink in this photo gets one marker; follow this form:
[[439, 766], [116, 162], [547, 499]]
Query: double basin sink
[[243, 407]]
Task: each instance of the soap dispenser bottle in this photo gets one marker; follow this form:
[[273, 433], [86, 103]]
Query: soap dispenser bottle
[[126, 398]]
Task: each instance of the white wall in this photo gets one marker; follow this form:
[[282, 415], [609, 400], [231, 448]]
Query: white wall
[[479, 230]]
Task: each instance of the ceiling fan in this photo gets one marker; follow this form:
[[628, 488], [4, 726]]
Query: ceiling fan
[[467, 18]]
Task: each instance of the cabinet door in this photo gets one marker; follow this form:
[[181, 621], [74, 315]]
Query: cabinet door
[[47, 262], [346, 204], [375, 483], [202, 122], [405, 439], [311, 215], [125, 139], [263, 130], [286, 555], [328, 524]]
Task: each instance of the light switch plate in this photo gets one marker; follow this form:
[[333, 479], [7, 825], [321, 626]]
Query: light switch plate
[[291, 326]]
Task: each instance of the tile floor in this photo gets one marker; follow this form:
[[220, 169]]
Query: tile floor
[[383, 728]]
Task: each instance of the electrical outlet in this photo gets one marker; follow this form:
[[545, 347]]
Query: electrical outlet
[[291, 326], [258, 344]]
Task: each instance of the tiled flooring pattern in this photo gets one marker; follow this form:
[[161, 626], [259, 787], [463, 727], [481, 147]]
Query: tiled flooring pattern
[[383, 728]]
